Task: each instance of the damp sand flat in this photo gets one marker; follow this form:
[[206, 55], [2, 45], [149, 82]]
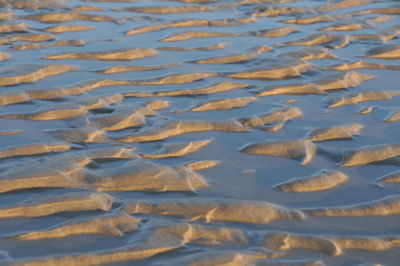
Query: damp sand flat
[[199, 132]]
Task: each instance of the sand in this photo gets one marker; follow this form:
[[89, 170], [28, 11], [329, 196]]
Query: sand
[[199, 132]]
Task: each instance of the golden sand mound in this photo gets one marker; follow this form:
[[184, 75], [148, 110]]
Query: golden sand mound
[[32, 149], [177, 149], [336, 132], [224, 104], [115, 55], [112, 225], [375, 95], [210, 210], [304, 149], [276, 69], [175, 128], [30, 73], [382, 207], [141, 175], [371, 154], [70, 202], [323, 180], [220, 87]]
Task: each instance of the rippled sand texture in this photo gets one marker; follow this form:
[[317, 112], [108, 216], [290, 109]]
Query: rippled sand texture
[[199, 132]]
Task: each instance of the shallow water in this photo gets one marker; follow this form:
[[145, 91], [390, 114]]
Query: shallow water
[[199, 132]]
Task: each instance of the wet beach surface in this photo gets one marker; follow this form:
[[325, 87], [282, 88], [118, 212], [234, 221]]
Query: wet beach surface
[[199, 132]]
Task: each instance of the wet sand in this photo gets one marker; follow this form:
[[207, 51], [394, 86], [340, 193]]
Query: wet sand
[[199, 132]]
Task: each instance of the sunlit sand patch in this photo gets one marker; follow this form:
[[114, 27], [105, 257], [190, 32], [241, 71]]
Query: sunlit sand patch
[[276, 116], [371, 154], [52, 18], [115, 225], [323, 180], [157, 104], [381, 207], [344, 131], [177, 79], [283, 241], [188, 35], [68, 28], [390, 52], [363, 65], [4, 56], [174, 128], [216, 46], [169, 9], [177, 149], [346, 80], [6, 16], [220, 87], [14, 28], [382, 35], [213, 210], [311, 53], [366, 243], [224, 104], [276, 32], [109, 154], [45, 175], [352, 99], [229, 59], [394, 116], [188, 24], [303, 149], [331, 245], [119, 69], [9, 132], [341, 4], [315, 19], [30, 73], [293, 262], [276, 69], [60, 92], [87, 8], [128, 253], [68, 202], [391, 178], [215, 257], [344, 27], [293, 89], [23, 4], [202, 165], [35, 46], [40, 37], [119, 119], [111, 55], [78, 135], [33, 149], [58, 112], [366, 110], [262, 49], [142, 175], [334, 41], [392, 10], [197, 233]]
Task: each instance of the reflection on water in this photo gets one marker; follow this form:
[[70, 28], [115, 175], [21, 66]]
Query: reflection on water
[[199, 132]]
